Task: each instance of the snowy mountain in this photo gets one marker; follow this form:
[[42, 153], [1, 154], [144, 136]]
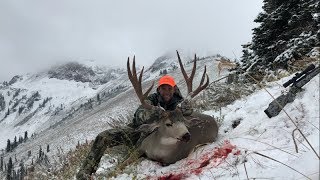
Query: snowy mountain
[[68, 103], [36, 102], [62, 112]]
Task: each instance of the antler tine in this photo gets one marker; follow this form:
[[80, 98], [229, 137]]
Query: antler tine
[[136, 83], [134, 73], [189, 80], [193, 68], [145, 95], [201, 87]]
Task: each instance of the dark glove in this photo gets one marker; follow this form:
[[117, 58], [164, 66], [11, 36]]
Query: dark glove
[[186, 107]]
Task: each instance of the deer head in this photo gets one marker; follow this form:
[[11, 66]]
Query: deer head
[[173, 126]]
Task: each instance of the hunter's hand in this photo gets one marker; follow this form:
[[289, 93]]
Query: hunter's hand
[[160, 111], [186, 107]]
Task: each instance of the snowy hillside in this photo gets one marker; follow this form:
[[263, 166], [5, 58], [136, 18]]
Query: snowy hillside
[[246, 134], [61, 111], [33, 103], [247, 137]]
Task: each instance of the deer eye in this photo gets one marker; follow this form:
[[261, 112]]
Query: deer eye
[[168, 124]]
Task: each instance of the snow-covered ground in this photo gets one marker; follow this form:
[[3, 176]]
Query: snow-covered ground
[[256, 138], [223, 159]]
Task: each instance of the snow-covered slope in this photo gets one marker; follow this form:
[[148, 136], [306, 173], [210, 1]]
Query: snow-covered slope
[[81, 117], [255, 138], [62, 110], [33, 103]]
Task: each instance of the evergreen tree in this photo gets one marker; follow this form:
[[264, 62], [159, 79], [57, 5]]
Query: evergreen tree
[[48, 148], [8, 148], [40, 152], [29, 153], [20, 139], [22, 172], [1, 163], [9, 169], [98, 97], [18, 174], [14, 175], [284, 25], [165, 71], [15, 143], [21, 108], [25, 136]]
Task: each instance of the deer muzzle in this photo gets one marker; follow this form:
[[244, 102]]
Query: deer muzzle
[[186, 137]]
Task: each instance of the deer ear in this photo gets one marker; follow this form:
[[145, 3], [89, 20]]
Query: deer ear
[[148, 128], [193, 122]]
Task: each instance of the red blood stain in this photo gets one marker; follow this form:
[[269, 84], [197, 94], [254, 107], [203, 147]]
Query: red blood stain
[[172, 177], [204, 163], [195, 166], [196, 171]]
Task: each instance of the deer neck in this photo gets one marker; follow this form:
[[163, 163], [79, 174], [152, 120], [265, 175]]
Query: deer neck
[[165, 140]]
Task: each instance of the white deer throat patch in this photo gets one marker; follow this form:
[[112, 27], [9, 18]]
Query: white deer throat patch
[[168, 141]]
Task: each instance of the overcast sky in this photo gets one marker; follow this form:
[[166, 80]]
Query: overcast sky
[[38, 33]]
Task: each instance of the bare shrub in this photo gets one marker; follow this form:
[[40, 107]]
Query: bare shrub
[[301, 64], [65, 167], [72, 162], [219, 95], [120, 121]]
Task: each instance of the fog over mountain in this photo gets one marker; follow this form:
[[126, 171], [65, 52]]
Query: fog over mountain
[[37, 34]]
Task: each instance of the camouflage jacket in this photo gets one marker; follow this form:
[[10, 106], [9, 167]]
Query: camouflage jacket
[[145, 116]]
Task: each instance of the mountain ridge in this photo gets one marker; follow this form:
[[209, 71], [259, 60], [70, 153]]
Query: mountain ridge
[[45, 102]]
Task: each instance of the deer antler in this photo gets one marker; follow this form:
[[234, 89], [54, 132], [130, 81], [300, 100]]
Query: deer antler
[[136, 83], [189, 80]]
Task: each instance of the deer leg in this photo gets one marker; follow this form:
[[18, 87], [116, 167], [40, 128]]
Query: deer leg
[[198, 146]]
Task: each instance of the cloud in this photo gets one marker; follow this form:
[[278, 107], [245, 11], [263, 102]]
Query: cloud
[[37, 34]]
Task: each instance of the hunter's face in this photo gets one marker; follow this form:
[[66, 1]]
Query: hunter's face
[[166, 91]]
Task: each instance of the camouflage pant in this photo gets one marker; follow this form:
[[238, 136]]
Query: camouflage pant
[[106, 139]]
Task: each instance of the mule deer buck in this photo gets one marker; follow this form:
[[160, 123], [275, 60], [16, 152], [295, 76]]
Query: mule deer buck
[[173, 136], [225, 64]]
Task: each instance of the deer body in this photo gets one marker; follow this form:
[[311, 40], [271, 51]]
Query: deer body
[[161, 149], [167, 149]]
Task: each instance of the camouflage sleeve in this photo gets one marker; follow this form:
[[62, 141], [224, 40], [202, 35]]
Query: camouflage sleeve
[[186, 107], [146, 116]]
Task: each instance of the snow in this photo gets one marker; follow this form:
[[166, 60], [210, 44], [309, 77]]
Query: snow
[[256, 134]]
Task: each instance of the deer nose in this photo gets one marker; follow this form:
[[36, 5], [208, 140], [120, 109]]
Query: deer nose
[[186, 137]]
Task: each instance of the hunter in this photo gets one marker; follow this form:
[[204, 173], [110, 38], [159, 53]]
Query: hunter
[[167, 97]]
